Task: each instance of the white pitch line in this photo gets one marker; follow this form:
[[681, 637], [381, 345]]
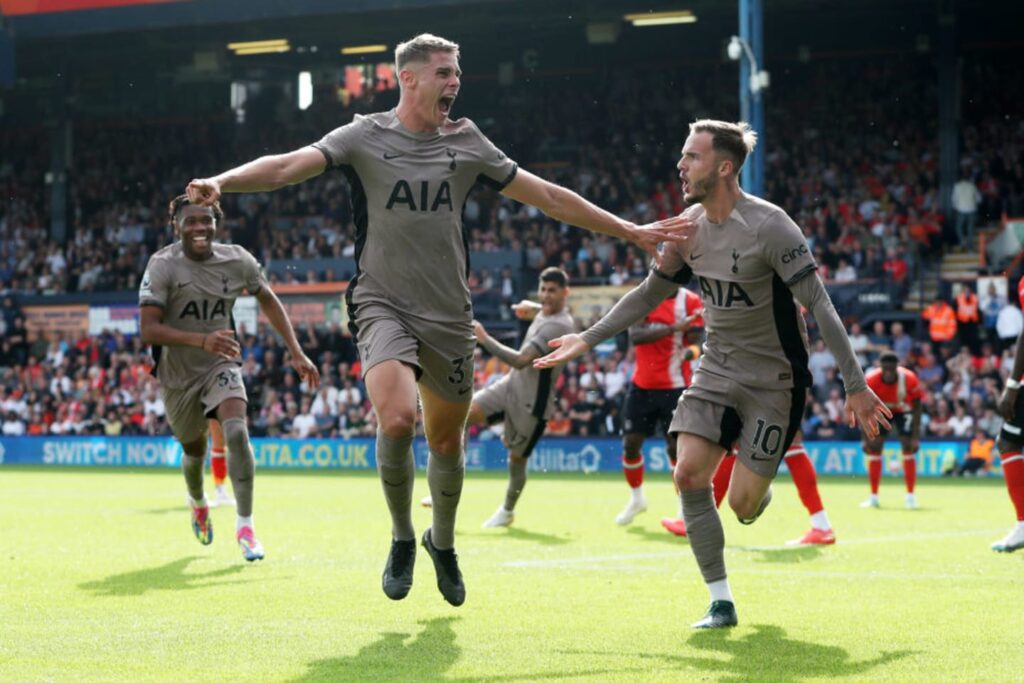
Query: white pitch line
[[591, 562]]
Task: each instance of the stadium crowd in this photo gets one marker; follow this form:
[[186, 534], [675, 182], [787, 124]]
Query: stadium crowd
[[861, 181]]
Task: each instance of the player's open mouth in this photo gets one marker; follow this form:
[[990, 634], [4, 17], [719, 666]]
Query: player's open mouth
[[444, 105], [199, 241]]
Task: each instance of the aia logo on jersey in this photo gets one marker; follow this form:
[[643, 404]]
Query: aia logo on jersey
[[724, 294], [403, 193], [201, 310]]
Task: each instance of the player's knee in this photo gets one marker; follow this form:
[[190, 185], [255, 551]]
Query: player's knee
[[632, 448], [689, 478], [397, 424], [743, 505], [446, 445], [195, 449]]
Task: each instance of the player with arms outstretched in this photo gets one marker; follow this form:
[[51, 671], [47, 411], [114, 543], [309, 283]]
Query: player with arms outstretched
[[751, 261], [901, 391], [410, 171], [186, 297]]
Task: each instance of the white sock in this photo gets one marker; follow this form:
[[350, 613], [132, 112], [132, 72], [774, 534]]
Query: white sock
[[638, 494], [819, 521], [244, 522], [1020, 525], [680, 507], [874, 497], [198, 503], [720, 590]]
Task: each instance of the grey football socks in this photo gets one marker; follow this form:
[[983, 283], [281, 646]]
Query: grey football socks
[[397, 471], [241, 463], [516, 481], [444, 475], [192, 468], [704, 527]]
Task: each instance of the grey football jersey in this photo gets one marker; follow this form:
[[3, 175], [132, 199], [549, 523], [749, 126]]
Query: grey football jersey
[[755, 332], [408, 191], [197, 296], [529, 387]]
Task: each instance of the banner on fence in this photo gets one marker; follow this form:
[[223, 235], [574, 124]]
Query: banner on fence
[[583, 456]]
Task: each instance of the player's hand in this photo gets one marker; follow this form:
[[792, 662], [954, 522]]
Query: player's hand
[[687, 322], [526, 310], [479, 332], [222, 343], [1007, 402], [568, 347], [306, 369], [675, 229], [865, 408], [203, 191]]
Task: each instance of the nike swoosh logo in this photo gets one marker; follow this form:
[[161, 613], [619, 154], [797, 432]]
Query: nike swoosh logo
[[183, 284], [449, 495], [395, 485], [694, 257], [463, 391], [753, 456], [389, 157]]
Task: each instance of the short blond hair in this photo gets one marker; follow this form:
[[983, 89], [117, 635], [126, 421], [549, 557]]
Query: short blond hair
[[420, 48], [735, 140]]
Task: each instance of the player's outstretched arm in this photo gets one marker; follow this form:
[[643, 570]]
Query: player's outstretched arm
[[278, 317], [632, 307], [526, 309], [862, 404], [506, 354], [568, 207], [155, 332], [260, 175]]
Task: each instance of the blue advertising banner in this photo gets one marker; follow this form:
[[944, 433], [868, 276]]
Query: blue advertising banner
[[551, 455]]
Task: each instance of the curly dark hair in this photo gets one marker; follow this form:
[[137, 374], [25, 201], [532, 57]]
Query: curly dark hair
[[182, 200]]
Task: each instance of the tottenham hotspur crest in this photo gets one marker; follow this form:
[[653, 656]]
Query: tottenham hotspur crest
[[735, 260]]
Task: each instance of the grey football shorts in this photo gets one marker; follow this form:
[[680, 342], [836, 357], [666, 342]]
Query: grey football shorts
[[188, 409], [762, 423], [440, 353], [522, 428]]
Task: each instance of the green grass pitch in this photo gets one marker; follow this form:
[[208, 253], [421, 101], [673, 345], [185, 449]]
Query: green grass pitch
[[101, 579]]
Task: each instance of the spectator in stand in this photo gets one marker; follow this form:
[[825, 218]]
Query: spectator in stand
[[894, 266], [941, 319], [967, 315], [966, 198], [979, 455], [1009, 324], [902, 343], [961, 424], [990, 307]]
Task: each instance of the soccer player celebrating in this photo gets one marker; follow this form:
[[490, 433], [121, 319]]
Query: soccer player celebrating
[[186, 297], [1011, 438], [662, 370], [900, 390], [751, 260], [410, 171], [524, 398]]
